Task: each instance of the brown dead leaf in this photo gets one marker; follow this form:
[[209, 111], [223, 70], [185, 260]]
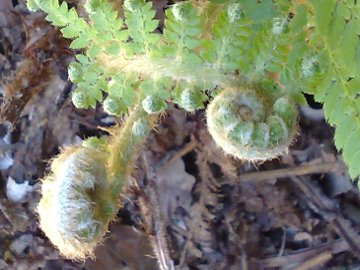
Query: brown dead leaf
[[124, 247], [5, 5]]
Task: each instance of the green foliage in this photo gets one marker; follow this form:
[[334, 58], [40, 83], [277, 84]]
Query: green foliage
[[189, 98], [336, 48], [140, 26], [226, 47], [280, 48], [182, 28]]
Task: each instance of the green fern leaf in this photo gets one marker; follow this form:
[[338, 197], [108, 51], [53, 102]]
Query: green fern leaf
[[33, 5], [324, 10], [339, 89], [79, 42], [299, 21], [182, 27], [259, 11], [336, 26], [141, 24], [348, 44], [121, 88]]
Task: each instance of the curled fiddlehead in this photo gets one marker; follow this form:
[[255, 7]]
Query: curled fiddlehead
[[75, 207], [249, 126], [80, 195]]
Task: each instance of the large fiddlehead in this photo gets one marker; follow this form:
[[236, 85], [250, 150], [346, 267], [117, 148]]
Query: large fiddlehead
[[80, 195]]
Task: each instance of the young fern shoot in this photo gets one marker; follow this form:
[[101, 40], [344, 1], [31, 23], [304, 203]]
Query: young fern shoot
[[252, 60], [81, 195], [250, 126]]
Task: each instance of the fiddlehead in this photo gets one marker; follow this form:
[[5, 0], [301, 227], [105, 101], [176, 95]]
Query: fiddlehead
[[75, 207], [250, 126], [80, 196]]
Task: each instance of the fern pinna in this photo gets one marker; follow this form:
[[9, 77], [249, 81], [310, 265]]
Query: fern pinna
[[252, 59]]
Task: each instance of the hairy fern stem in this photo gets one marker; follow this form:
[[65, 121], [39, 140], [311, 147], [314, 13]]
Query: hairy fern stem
[[80, 195]]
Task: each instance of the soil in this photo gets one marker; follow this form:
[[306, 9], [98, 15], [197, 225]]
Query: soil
[[189, 205]]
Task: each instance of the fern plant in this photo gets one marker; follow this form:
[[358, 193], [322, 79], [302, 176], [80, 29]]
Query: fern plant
[[252, 60]]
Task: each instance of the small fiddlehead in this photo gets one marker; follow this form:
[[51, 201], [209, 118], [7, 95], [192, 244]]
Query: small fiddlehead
[[249, 126], [80, 196]]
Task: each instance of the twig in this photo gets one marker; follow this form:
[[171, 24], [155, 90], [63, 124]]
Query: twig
[[200, 217], [335, 247], [283, 241], [154, 221], [182, 152], [244, 259], [293, 171], [315, 261], [325, 207], [344, 229]]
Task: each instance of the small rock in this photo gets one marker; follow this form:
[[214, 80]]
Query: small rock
[[6, 161], [16, 192], [315, 115], [254, 204], [19, 245], [3, 264], [338, 183], [303, 236]]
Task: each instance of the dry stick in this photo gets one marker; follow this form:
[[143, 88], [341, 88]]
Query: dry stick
[[344, 229], [319, 254], [244, 260], [182, 152], [315, 261], [198, 219], [293, 171], [154, 220], [157, 235], [325, 207], [283, 241], [298, 257]]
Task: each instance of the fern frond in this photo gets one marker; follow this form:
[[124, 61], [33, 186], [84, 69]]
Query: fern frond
[[90, 80], [336, 37], [251, 126], [71, 25], [230, 32], [141, 25], [280, 47], [182, 27], [107, 28]]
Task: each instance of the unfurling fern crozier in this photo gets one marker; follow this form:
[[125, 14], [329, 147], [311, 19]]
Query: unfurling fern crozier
[[249, 126], [80, 195], [75, 208]]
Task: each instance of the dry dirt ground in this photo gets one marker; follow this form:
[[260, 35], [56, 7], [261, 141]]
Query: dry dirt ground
[[189, 205]]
